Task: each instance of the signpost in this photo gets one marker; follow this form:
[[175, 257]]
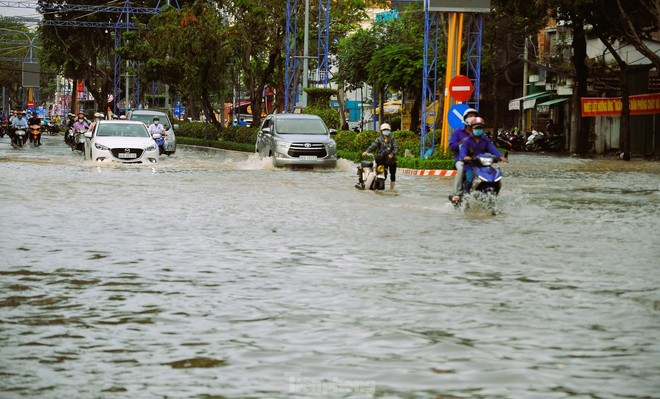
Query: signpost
[[460, 88], [455, 115]]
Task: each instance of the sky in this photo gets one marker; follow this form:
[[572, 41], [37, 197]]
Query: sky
[[23, 12]]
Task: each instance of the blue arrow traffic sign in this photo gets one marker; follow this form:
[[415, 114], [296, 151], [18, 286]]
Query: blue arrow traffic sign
[[455, 115]]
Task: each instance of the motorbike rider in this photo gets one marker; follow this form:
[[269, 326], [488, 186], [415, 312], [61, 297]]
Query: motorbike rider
[[35, 122], [387, 149], [474, 146], [457, 138], [18, 122], [156, 127], [97, 117], [80, 123]]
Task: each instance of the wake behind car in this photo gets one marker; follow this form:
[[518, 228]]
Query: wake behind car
[[297, 140], [121, 141], [147, 116]]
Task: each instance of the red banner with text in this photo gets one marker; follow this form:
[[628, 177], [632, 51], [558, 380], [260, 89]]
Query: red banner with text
[[641, 104]]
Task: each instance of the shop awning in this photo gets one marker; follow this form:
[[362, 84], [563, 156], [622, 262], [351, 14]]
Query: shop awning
[[555, 101], [528, 101], [544, 107]]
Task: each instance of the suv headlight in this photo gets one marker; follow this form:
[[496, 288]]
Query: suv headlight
[[151, 147], [101, 147], [331, 144], [283, 144]]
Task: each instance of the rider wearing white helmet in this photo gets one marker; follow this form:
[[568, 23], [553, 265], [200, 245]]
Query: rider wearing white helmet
[[477, 144], [457, 138], [387, 148]]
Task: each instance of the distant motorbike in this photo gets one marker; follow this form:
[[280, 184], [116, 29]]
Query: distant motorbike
[[371, 174], [19, 138], [78, 140], [486, 182], [160, 141], [35, 135]]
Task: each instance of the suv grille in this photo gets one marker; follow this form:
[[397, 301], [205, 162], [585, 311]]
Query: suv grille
[[307, 149]]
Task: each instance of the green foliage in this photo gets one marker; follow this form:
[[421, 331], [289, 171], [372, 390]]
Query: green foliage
[[198, 130], [225, 145], [320, 96], [240, 134], [329, 115]]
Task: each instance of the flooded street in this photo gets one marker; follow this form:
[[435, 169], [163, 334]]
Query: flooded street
[[214, 275]]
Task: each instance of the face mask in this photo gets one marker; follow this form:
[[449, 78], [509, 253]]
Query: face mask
[[80, 119], [478, 132], [386, 132]]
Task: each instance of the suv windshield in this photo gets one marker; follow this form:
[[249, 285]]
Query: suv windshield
[[300, 126], [148, 119]]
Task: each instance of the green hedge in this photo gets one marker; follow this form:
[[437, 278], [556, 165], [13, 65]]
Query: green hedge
[[350, 145]]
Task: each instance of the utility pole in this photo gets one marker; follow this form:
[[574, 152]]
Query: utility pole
[[523, 129]]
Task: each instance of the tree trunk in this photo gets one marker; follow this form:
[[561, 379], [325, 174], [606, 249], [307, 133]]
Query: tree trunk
[[580, 140], [342, 108]]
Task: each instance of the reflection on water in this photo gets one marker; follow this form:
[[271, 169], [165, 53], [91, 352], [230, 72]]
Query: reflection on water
[[212, 274]]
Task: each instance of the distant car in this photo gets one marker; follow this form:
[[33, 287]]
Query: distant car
[[122, 141], [297, 140], [147, 117]]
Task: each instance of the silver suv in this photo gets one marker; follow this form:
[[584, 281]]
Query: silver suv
[[297, 140], [147, 116]]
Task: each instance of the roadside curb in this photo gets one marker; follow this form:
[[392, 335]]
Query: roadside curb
[[428, 172]]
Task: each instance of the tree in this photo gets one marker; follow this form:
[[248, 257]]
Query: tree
[[195, 62], [80, 53]]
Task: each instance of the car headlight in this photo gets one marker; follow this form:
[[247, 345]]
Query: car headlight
[[151, 147], [331, 144], [101, 147], [283, 144]]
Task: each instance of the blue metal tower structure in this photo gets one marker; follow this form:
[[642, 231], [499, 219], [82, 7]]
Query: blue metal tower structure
[[291, 64], [322, 69], [473, 65], [429, 79], [123, 23]]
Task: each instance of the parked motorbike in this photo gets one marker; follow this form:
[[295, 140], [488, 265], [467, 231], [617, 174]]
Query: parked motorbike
[[371, 175], [502, 140], [486, 182], [534, 141]]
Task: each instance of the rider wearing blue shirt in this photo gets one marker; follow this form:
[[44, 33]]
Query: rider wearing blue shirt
[[476, 145], [457, 138]]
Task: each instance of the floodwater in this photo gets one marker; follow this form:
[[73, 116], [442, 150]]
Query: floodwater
[[214, 275]]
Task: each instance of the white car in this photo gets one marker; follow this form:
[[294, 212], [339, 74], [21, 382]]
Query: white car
[[122, 141]]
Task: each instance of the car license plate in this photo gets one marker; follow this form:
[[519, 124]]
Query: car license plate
[[308, 157], [127, 155]]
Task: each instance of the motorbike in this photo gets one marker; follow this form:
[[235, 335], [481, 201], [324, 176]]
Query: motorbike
[[19, 138], [160, 141], [35, 135], [486, 182], [78, 140], [371, 174], [503, 140], [534, 141]]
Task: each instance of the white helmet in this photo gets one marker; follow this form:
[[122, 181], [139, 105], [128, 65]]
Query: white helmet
[[468, 112], [385, 126], [98, 115]]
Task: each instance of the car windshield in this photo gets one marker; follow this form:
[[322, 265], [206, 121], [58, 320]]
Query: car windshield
[[122, 130], [300, 126], [148, 119]]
